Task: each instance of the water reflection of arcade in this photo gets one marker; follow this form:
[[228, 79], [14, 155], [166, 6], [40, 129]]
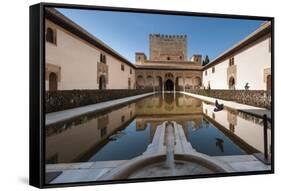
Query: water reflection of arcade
[[168, 104], [142, 122], [168, 107]]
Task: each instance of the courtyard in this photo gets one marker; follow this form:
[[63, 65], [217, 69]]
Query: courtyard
[[165, 114]]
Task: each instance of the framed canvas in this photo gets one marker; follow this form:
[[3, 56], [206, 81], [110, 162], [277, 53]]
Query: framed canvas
[[122, 95]]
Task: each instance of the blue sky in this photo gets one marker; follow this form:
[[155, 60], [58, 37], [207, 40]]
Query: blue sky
[[128, 33]]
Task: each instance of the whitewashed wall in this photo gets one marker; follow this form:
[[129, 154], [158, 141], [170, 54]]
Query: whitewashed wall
[[250, 63], [118, 79], [218, 80], [78, 61]]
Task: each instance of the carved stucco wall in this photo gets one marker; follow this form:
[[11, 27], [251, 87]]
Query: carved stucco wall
[[102, 69], [184, 79], [232, 73]]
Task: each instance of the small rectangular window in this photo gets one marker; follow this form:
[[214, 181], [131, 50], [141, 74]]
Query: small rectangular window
[[131, 71], [213, 69], [102, 58], [206, 73], [231, 61], [122, 67]]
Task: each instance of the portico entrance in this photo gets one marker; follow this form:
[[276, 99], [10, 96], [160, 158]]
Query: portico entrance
[[169, 85]]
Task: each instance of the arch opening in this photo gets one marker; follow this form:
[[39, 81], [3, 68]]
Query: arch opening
[[169, 85], [140, 82], [50, 36], [231, 83], [149, 82], [102, 82], [197, 82], [159, 83]]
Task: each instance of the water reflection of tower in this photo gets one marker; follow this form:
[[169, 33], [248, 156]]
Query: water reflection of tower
[[195, 123], [160, 102], [232, 120], [169, 102], [140, 124]]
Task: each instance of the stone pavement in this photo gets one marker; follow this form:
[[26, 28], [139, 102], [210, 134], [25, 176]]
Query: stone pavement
[[82, 172], [242, 163], [92, 171], [257, 111]]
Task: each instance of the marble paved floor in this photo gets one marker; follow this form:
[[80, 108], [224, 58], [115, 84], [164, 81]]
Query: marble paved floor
[[91, 171]]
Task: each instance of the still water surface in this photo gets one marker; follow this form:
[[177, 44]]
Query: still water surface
[[124, 132]]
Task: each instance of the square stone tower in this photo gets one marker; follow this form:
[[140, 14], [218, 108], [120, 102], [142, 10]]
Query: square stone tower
[[168, 47], [197, 58], [140, 58]]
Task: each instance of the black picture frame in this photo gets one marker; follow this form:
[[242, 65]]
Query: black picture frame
[[37, 93]]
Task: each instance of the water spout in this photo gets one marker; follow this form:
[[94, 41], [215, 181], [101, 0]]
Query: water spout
[[170, 144]]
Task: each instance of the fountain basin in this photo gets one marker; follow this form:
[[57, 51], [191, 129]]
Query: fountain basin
[[155, 166]]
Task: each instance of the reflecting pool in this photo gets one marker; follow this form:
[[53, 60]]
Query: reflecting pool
[[124, 132]]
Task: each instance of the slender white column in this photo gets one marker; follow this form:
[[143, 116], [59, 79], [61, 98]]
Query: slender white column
[[184, 84], [163, 87], [174, 86]]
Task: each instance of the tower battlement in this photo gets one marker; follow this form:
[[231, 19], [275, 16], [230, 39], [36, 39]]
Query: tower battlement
[[167, 36], [164, 47]]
